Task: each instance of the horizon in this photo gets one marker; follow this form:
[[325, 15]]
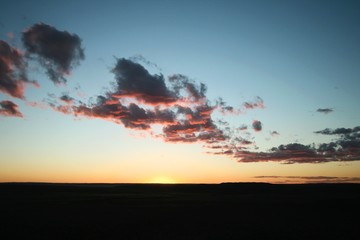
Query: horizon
[[202, 92], [294, 182]]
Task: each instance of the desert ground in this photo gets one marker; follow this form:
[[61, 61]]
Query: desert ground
[[179, 211]]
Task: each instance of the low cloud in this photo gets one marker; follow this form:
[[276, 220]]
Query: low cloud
[[57, 51], [339, 131], [345, 148], [325, 110], [10, 109], [289, 153], [310, 179]]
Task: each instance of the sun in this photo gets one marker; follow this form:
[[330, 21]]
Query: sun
[[162, 180]]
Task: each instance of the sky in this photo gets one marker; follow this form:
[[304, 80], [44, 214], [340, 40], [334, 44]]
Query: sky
[[179, 91]]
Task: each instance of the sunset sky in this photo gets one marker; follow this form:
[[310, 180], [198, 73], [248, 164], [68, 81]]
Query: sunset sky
[[179, 91]]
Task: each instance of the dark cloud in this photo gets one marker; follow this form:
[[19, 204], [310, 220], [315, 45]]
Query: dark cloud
[[110, 109], [58, 51], [131, 116], [257, 125], [67, 99], [312, 179], [141, 100], [339, 131], [194, 92], [325, 110], [134, 81], [137, 117], [345, 148], [258, 103], [12, 71], [290, 153], [198, 127], [10, 109]]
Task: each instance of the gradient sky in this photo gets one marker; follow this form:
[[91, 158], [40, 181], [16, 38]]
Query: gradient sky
[[287, 73]]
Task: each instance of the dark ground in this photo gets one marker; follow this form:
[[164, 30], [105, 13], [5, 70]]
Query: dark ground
[[150, 211]]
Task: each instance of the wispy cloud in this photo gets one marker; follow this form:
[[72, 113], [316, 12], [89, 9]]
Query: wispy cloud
[[310, 179], [325, 110], [274, 133], [258, 103]]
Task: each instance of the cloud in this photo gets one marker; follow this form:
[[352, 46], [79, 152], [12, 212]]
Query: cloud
[[289, 153], [325, 110], [345, 148], [274, 133], [134, 81], [12, 71], [193, 91], [225, 108], [180, 107], [257, 125], [67, 99], [198, 126], [140, 100], [258, 103], [10, 109], [57, 51], [339, 131], [312, 179], [131, 116]]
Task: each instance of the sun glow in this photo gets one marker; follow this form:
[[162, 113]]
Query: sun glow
[[162, 180]]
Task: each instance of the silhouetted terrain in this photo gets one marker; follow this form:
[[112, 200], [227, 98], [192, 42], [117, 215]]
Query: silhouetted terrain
[[184, 211]]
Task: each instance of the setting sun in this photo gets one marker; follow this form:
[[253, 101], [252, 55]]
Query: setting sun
[[162, 180]]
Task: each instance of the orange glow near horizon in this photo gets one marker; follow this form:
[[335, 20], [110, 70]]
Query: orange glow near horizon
[[162, 180]]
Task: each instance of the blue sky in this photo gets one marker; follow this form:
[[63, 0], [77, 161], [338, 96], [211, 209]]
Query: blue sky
[[297, 56]]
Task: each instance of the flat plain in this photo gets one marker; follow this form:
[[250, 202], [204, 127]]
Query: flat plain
[[179, 211]]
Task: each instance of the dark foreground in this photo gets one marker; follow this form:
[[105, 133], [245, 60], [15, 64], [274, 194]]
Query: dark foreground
[[150, 211]]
